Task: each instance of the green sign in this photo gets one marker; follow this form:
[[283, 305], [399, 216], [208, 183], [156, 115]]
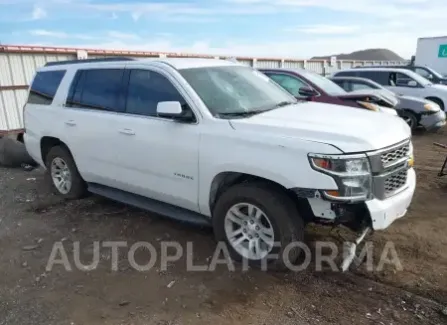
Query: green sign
[[442, 51]]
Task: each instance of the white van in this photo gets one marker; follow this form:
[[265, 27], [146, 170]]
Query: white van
[[216, 142]]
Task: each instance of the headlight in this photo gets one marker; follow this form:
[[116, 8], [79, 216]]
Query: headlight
[[351, 173], [432, 107], [370, 106]]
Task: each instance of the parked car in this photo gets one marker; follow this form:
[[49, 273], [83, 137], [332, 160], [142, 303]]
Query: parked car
[[423, 71], [415, 111], [401, 82], [310, 86], [218, 143]]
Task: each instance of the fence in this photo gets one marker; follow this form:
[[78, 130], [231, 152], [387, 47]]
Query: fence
[[19, 63]]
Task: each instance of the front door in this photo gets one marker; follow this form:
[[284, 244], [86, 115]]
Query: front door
[[158, 156]]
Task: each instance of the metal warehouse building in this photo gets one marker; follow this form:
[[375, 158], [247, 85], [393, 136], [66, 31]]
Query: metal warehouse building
[[19, 63]]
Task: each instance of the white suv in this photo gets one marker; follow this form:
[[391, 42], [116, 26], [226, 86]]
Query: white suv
[[217, 142]]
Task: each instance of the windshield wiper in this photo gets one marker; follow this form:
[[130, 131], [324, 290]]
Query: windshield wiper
[[284, 103], [257, 111], [240, 114]]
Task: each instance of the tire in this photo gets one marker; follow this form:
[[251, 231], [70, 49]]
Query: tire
[[286, 226], [56, 160], [410, 118]]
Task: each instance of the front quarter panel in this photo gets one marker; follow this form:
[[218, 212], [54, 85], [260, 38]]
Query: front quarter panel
[[283, 160]]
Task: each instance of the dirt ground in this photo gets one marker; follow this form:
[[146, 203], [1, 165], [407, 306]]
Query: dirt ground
[[32, 220]]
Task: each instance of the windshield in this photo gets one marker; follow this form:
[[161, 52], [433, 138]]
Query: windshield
[[418, 78], [324, 83], [435, 73], [236, 90]]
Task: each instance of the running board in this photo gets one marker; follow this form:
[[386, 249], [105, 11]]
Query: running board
[[161, 208]]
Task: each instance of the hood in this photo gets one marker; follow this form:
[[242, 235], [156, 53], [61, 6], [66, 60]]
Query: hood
[[349, 129], [373, 95], [420, 100], [440, 87], [416, 104]]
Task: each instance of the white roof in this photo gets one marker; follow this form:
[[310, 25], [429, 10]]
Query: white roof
[[377, 69], [189, 63], [177, 63]]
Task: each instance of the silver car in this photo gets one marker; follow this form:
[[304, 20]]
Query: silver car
[[415, 111]]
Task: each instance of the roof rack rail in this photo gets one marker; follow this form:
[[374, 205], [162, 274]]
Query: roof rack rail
[[112, 59]]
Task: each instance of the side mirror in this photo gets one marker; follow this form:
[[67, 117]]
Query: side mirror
[[412, 83], [307, 92], [169, 109], [175, 111]]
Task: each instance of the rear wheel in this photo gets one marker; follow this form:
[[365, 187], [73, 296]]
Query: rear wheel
[[63, 174], [258, 223]]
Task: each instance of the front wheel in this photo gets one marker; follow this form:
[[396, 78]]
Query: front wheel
[[410, 119], [259, 224]]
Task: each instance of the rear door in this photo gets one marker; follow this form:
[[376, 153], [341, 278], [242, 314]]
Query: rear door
[[93, 111]]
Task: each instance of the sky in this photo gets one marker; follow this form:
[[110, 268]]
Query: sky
[[262, 28]]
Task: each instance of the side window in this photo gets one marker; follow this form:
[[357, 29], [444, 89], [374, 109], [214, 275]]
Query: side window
[[97, 89], [359, 86], [345, 84], [381, 77], [289, 83], [44, 87], [400, 79], [146, 89]]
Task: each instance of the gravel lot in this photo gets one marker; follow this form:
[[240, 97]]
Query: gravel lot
[[32, 220]]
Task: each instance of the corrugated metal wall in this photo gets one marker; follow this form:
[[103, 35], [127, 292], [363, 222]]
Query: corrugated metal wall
[[19, 63]]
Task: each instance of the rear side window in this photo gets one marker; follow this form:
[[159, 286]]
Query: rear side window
[[381, 77], [44, 87], [99, 89]]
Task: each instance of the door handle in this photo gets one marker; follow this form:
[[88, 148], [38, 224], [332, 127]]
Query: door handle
[[70, 123], [127, 132]]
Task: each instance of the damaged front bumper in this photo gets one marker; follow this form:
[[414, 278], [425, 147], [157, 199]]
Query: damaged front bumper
[[433, 122], [364, 217], [377, 214], [384, 212]]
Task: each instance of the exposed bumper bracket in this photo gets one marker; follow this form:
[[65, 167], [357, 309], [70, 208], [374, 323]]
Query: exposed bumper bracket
[[350, 249]]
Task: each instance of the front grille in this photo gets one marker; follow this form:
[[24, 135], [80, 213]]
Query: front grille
[[389, 168], [390, 157], [395, 181]]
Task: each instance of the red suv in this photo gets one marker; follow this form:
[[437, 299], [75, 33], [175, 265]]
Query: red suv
[[310, 86]]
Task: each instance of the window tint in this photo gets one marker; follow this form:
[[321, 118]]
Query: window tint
[[146, 89], [44, 87], [97, 89], [289, 83], [381, 77]]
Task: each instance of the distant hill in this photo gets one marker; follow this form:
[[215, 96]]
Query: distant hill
[[370, 54]]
